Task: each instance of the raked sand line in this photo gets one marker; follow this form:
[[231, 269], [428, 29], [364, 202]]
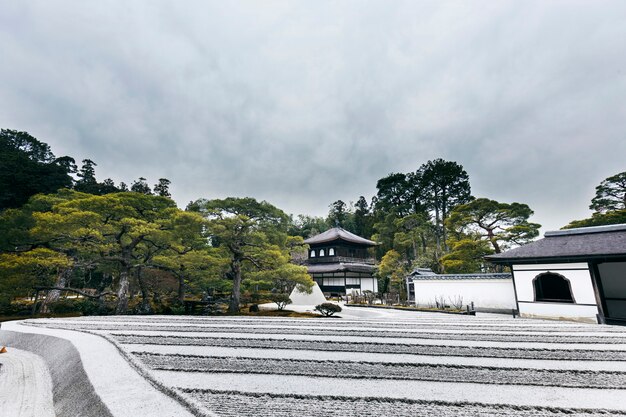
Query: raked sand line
[[305, 329], [422, 390], [459, 321], [198, 337], [393, 371], [495, 336], [237, 403], [210, 351], [449, 320], [388, 348]]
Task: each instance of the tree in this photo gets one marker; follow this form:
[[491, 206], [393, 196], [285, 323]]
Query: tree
[[442, 185], [141, 186], [393, 194], [466, 256], [328, 309], [281, 300], [163, 187], [391, 273], [125, 229], [362, 218], [307, 226], [610, 194], [337, 214], [600, 219], [28, 167], [253, 236], [87, 182], [500, 224]]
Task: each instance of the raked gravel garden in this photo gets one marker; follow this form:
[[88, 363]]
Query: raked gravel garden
[[372, 364]]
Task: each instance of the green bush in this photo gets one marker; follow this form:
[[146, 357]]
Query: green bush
[[328, 309], [281, 300]]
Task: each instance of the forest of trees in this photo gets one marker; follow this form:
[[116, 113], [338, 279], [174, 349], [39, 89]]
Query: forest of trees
[[130, 249]]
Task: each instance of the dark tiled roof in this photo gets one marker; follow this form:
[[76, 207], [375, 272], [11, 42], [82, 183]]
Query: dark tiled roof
[[422, 271], [337, 233], [581, 243], [340, 267], [456, 277]]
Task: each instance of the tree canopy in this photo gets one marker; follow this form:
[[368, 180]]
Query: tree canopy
[[609, 203], [28, 167], [254, 239]]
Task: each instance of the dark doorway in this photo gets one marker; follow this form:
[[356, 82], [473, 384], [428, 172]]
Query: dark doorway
[[613, 284]]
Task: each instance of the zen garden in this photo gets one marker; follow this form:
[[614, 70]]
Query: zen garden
[[355, 208], [425, 300]]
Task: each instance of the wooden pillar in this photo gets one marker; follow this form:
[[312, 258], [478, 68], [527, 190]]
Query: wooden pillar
[[596, 282]]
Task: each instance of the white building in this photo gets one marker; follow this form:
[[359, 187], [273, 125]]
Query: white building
[[487, 292], [575, 274]]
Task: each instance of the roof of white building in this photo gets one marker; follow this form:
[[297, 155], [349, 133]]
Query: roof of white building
[[458, 277], [340, 267], [570, 244]]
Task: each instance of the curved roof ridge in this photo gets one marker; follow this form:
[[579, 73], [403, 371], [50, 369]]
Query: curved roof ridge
[[337, 233]]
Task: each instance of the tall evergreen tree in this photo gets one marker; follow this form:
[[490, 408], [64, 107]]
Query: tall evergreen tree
[[28, 167]]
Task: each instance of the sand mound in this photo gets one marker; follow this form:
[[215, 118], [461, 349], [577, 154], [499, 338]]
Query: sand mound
[[303, 299]]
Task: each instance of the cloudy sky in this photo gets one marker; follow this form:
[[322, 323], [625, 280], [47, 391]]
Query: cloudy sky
[[302, 103]]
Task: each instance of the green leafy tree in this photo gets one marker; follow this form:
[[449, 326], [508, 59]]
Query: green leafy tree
[[610, 194], [28, 167], [363, 220], [328, 309], [500, 224], [141, 186], [281, 300], [307, 226], [609, 204], [338, 214], [254, 238], [124, 229], [600, 219], [442, 185], [394, 194], [162, 188], [466, 256], [391, 272], [87, 182]]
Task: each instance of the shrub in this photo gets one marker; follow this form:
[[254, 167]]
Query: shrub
[[281, 300], [328, 309]]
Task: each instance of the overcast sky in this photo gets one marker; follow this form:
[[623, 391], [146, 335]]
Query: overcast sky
[[303, 103]]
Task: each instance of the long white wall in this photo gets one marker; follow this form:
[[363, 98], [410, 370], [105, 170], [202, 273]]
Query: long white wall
[[486, 293], [583, 309]]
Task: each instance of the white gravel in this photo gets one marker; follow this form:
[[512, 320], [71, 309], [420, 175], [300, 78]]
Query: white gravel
[[121, 388], [378, 357], [424, 390], [25, 385]]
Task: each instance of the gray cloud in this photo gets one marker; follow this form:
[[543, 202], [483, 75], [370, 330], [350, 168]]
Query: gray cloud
[[303, 103]]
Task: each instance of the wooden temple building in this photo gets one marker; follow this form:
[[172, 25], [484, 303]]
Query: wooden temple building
[[340, 262]]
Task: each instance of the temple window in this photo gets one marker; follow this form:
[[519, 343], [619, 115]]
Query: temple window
[[552, 287]]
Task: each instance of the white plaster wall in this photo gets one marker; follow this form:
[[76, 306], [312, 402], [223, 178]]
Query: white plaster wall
[[369, 284], [582, 289], [559, 311], [488, 293]]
